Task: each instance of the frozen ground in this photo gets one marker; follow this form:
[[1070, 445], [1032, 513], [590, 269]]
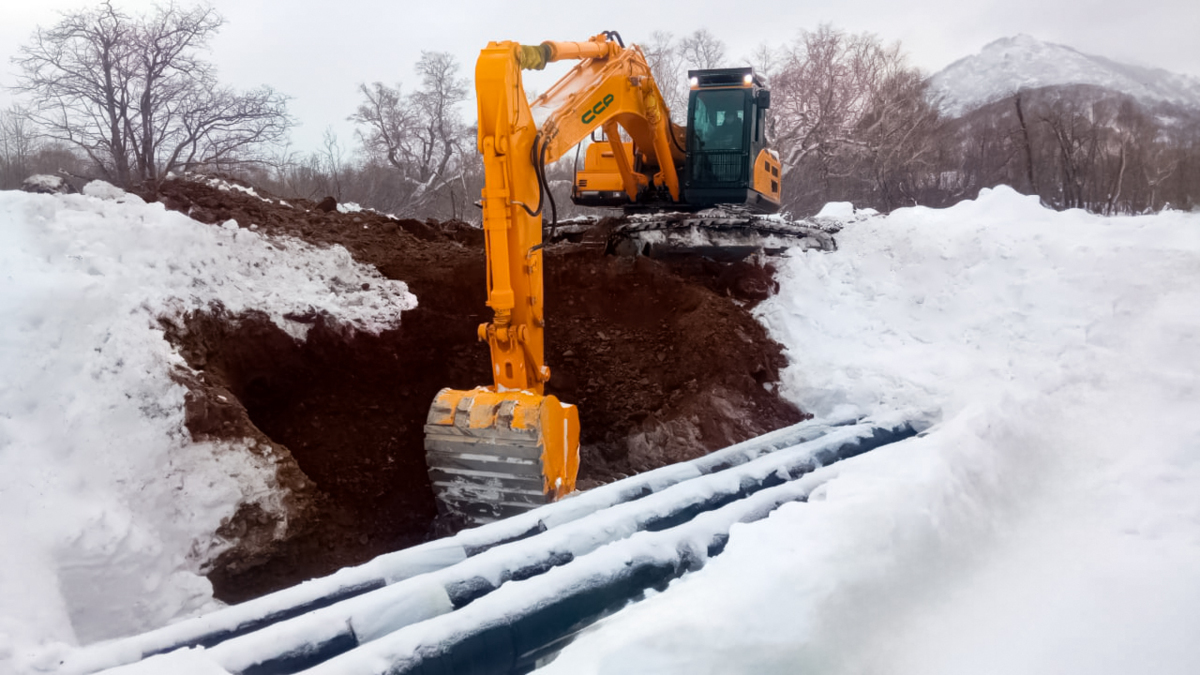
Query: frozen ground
[[1049, 524], [93, 541]]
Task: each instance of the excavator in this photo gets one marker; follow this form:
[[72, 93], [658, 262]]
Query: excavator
[[499, 450]]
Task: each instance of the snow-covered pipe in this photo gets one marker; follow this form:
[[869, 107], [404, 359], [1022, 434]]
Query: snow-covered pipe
[[323, 633], [253, 615], [511, 629]]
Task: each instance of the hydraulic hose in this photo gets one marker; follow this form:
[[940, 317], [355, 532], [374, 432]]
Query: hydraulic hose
[[614, 35], [537, 155]]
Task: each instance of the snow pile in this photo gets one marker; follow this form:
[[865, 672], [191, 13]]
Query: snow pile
[[1049, 524], [107, 507], [845, 212], [1022, 62], [102, 190], [44, 184]]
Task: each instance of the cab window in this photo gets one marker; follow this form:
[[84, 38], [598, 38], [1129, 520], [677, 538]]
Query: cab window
[[718, 120]]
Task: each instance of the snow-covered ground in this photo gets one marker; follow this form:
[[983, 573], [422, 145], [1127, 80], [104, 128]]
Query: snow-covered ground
[[1049, 524], [94, 541]]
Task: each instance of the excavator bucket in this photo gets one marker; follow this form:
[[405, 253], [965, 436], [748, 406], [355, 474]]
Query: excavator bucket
[[496, 454]]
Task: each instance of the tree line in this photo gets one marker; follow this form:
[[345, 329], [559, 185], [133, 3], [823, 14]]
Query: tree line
[[1074, 146], [128, 98]]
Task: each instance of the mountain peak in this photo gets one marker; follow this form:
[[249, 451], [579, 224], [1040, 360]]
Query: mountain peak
[[1018, 40], [1021, 61]]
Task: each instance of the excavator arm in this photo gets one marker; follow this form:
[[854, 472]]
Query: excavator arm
[[610, 86], [495, 451]]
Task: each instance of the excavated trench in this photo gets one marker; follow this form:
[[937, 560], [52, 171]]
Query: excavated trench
[[664, 360]]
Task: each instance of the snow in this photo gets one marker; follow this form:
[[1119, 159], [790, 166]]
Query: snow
[[418, 577], [842, 213], [1049, 524], [102, 190], [1023, 62], [107, 507], [393, 568], [497, 608], [840, 210], [225, 185]]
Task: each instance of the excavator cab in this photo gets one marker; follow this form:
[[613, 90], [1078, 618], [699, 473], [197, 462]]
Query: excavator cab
[[728, 161]]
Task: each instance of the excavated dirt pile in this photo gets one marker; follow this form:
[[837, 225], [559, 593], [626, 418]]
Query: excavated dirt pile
[[664, 360]]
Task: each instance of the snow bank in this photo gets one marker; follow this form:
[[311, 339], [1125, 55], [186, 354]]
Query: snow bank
[[107, 508], [1050, 524]]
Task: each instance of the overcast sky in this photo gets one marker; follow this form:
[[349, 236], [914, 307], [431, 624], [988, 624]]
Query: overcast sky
[[319, 52]]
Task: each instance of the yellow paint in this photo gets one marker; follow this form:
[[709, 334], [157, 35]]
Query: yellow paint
[[544, 420], [602, 171], [767, 172]]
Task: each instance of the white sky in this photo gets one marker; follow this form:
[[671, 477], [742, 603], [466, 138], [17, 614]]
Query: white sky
[[318, 53]]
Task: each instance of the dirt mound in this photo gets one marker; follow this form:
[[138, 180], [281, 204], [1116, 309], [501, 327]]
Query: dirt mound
[[664, 360]]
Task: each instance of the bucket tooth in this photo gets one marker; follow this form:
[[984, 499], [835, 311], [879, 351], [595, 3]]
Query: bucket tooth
[[492, 455]]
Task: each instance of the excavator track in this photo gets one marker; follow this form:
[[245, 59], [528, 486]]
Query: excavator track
[[720, 233]]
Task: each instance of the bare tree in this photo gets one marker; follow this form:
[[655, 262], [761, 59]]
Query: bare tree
[[702, 50], [17, 145], [132, 94], [829, 79], [766, 60], [1156, 174], [422, 135], [848, 109], [895, 137], [665, 57], [1026, 143], [1076, 130], [333, 161]]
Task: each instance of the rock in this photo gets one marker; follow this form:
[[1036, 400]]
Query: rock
[[174, 202], [203, 215], [328, 204], [47, 185]]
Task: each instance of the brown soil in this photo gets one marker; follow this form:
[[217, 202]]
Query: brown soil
[[664, 360]]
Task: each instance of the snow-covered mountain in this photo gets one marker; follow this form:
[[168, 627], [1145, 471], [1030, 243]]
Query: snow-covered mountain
[[1024, 62]]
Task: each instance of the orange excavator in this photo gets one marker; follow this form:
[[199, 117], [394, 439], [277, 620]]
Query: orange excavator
[[499, 450]]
